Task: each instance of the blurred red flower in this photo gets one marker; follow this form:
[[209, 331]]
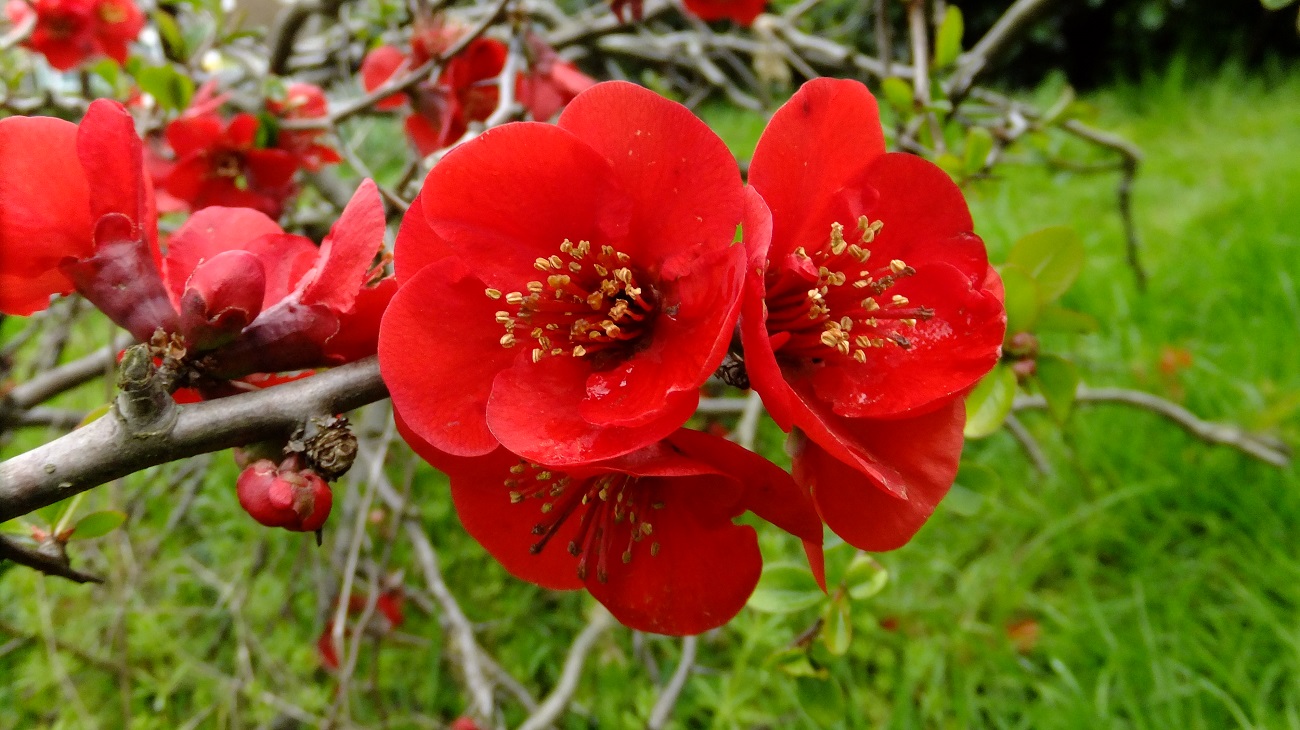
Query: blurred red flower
[[303, 101], [70, 32], [868, 317], [220, 163], [650, 534], [742, 12], [567, 288], [550, 83]]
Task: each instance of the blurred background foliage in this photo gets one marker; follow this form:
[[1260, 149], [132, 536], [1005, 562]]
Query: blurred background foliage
[[1149, 581]]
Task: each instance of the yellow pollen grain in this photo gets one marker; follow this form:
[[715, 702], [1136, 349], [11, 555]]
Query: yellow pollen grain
[[575, 267], [579, 351], [557, 281], [846, 323], [654, 549], [507, 340], [607, 250], [909, 322], [536, 287], [623, 258], [859, 284], [860, 355], [537, 355], [859, 253], [800, 253], [556, 261], [503, 317], [870, 304], [518, 469], [600, 270], [897, 266], [515, 297], [492, 293], [542, 264], [899, 300]]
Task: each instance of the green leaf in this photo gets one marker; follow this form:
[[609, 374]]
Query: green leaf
[[785, 589], [16, 527], [978, 478], [951, 164], [990, 402], [865, 577], [823, 700], [1058, 379], [899, 95], [1055, 318], [979, 143], [1274, 4], [962, 501], [108, 70], [796, 663], [170, 88], [1053, 256], [947, 42], [837, 633], [171, 35], [97, 524], [1023, 301]]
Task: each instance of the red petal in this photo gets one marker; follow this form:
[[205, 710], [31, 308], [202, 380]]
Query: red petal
[[207, 233], [816, 143], [270, 169], [534, 412], [417, 245], [439, 351], [191, 135], [742, 12], [223, 295], [684, 184], [425, 134], [24, 295], [503, 529], [921, 453], [690, 335], [515, 193], [348, 251], [949, 352], [112, 157], [358, 334], [241, 133], [378, 66], [704, 572], [44, 198]]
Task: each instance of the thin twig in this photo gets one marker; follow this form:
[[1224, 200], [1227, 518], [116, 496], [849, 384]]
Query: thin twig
[[667, 701], [1029, 444], [558, 700], [18, 33], [11, 549]]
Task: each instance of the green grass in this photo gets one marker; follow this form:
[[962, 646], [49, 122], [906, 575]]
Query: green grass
[[1161, 573]]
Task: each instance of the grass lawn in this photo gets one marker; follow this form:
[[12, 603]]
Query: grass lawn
[[1152, 582]]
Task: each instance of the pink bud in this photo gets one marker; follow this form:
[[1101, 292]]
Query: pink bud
[[285, 496], [222, 297]]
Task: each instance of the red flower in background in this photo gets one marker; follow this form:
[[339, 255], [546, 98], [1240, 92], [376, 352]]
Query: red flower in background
[[219, 163], [742, 12], [551, 81], [567, 288], [70, 32], [303, 101], [649, 534], [868, 317], [463, 92], [387, 617]]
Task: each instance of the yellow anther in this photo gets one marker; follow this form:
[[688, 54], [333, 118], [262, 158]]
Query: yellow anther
[[579, 351], [838, 245], [870, 304], [514, 297], [575, 267], [897, 266], [542, 264], [492, 293], [556, 261], [899, 300], [507, 340], [860, 355]]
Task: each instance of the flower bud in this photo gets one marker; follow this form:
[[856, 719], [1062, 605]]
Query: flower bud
[[285, 496], [222, 297]]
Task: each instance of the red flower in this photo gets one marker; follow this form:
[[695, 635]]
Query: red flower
[[649, 534], [742, 12], [303, 101], [551, 82], [286, 496], [274, 301], [387, 617], [566, 289], [868, 317], [221, 164], [463, 93], [69, 32]]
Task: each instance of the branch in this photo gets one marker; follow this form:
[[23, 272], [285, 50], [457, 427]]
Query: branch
[[1015, 21], [663, 708], [43, 561], [1264, 448], [109, 448], [287, 26], [60, 379], [18, 33], [558, 700]]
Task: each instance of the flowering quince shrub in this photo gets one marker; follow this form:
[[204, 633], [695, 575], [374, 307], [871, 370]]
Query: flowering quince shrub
[[574, 285], [69, 33]]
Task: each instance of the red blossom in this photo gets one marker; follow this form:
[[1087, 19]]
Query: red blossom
[[463, 92], [287, 495], [869, 316], [387, 617], [567, 288], [650, 534], [551, 81], [303, 101], [742, 12], [219, 163], [70, 32]]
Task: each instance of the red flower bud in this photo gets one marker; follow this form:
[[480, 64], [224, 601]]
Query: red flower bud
[[222, 297], [285, 496], [1022, 344]]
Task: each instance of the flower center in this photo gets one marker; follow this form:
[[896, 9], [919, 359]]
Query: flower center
[[589, 303], [613, 511], [111, 14], [226, 164], [846, 310]]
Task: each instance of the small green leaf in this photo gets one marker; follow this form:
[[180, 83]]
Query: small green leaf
[[1053, 256], [171, 35], [947, 42], [979, 143], [823, 700], [990, 402], [16, 527], [899, 95], [785, 589], [1023, 301], [837, 633], [97, 524], [170, 88], [94, 414], [1274, 4], [1058, 379], [865, 577], [108, 70], [1055, 318], [796, 663]]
